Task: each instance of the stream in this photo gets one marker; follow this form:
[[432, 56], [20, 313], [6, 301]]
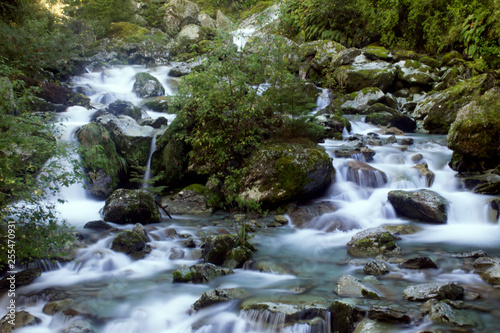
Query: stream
[[119, 295]]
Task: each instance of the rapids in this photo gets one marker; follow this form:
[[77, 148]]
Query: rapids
[[118, 295]]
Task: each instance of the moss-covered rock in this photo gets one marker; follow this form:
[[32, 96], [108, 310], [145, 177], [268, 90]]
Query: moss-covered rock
[[194, 199], [372, 242], [158, 104], [413, 72], [439, 110], [379, 74], [227, 250], [146, 85], [103, 164], [281, 172], [200, 273], [374, 52], [126, 31], [131, 206], [404, 123], [21, 319], [124, 108], [216, 296], [179, 13], [131, 243], [57, 94], [475, 134]]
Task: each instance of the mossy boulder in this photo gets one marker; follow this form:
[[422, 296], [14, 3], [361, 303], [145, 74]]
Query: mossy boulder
[[334, 124], [103, 164], [374, 52], [158, 104], [412, 72], [373, 242], [124, 108], [379, 74], [475, 134], [217, 296], [388, 119], [194, 199], [439, 110], [364, 174], [200, 273], [146, 85], [281, 172], [126, 30], [422, 205], [438, 291], [131, 243], [227, 250], [131, 206], [56, 94], [358, 101], [179, 13]]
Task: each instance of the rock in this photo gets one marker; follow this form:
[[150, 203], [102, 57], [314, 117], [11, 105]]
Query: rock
[[176, 253], [419, 263], [41, 105], [359, 101], [271, 267], [186, 67], [278, 173], [191, 32], [22, 278], [364, 174], [484, 183], [407, 141], [221, 21], [439, 110], [146, 85], [21, 319], [391, 315], [401, 229], [131, 206], [216, 296], [372, 242], [374, 74], [206, 21], [422, 205], [131, 243], [376, 267], [141, 231], [195, 199], [226, 250], [124, 108], [132, 141], [155, 123], [402, 122], [103, 164], [391, 131], [413, 72], [488, 269], [473, 136], [200, 273], [493, 210], [332, 222], [363, 154], [334, 124], [443, 313], [302, 215], [179, 13], [281, 219], [99, 225], [373, 52], [417, 158], [321, 51], [56, 306], [79, 326], [423, 170], [439, 291], [370, 326], [345, 57], [343, 317], [55, 94]]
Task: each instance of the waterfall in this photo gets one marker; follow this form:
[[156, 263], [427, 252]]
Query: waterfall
[[147, 174]]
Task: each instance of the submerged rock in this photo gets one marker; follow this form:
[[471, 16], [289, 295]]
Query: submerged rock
[[439, 291], [365, 175], [376, 267], [419, 263], [423, 170], [391, 315], [302, 215], [422, 205], [131, 206], [372, 242], [348, 286], [216, 296], [444, 313], [200, 273]]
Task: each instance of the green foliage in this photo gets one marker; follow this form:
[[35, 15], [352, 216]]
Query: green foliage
[[32, 171]]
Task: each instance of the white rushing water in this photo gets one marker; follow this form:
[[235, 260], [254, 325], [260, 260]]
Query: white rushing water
[[114, 293]]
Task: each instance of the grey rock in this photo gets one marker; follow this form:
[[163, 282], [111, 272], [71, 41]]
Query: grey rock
[[439, 291], [422, 205], [376, 267], [348, 286], [200, 273], [216, 296]]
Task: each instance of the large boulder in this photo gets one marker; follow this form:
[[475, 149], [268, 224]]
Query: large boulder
[[319, 54], [227, 250], [364, 174], [56, 94], [131, 243], [403, 122], [103, 164], [422, 205], [124, 108], [179, 13], [131, 206], [195, 199], [373, 74], [20, 319], [488, 269], [216, 296], [146, 85], [439, 110], [132, 141], [372, 242], [412, 72], [474, 136], [200, 273], [282, 172], [439, 291]]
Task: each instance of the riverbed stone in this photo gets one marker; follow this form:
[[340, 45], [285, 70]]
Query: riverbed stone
[[419, 263], [79, 326], [439, 291], [348, 286], [124, 108], [422, 205], [22, 319], [131, 206], [425, 172], [474, 137], [56, 306], [279, 173], [364, 174], [199, 273], [392, 315], [384, 118], [488, 269], [300, 215], [444, 313], [372, 242], [131, 243], [370, 326], [363, 154], [493, 210], [376, 267], [227, 250], [146, 85], [216, 296], [22, 278], [194, 199]]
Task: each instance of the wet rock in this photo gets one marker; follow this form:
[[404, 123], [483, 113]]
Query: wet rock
[[22, 278], [189, 243], [417, 158], [365, 175], [186, 67], [146, 85], [195, 199], [422, 205], [333, 124], [488, 269], [56, 306], [216, 296], [278, 173], [472, 254], [99, 225], [348, 286], [281, 219], [401, 229], [473, 136], [376, 267], [372, 242], [363, 154], [439, 291], [176, 253], [419, 263], [131, 206], [423, 170], [79, 326], [343, 317], [141, 231], [200, 273], [56, 94], [271, 267], [407, 142], [302, 215], [226, 250], [391, 315], [391, 131], [493, 210], [402, 122], [131, 243], [124, 108], [443, 313], [21, 319], [370, 326], [332, 222], [360, 75], [485, 183]]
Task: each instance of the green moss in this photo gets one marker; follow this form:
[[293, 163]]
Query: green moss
[[412, 64], [127, 32], [369, 294], [213, 199], [78, 99], [364, 243], [387, 240], [452, 58], [426, 60], [377, 52]]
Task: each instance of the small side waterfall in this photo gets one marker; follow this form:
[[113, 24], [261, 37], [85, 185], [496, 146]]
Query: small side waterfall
[[147, 174]]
